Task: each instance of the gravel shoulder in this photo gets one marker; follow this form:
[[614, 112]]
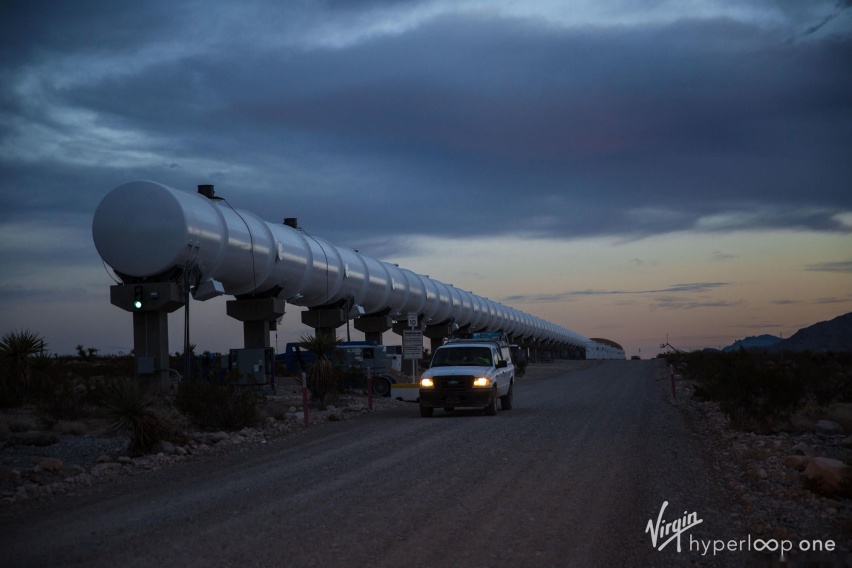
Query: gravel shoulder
[[768, 498]]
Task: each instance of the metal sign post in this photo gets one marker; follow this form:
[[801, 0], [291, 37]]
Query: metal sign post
[[412, 343]]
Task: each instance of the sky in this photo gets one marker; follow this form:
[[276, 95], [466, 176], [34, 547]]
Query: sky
[[640, 170]]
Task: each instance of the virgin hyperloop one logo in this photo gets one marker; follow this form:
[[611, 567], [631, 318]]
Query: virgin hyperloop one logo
[[672, 529], [664, 532]]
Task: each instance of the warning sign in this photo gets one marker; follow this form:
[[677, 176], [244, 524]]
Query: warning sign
[[412, 344]]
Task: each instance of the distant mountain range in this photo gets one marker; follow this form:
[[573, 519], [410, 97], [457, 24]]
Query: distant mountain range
[[834, 335], [753, 342]]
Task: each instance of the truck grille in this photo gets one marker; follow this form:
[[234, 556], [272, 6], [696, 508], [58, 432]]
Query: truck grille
[[458, 383]]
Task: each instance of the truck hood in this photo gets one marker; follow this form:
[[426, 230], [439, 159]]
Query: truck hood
[[475, 370]]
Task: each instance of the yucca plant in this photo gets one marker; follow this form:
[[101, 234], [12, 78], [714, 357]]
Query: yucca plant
[[129, 408], [16, 348], [321, 378]]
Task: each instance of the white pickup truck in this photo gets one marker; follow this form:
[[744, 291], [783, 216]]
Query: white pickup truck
[[470, 372]]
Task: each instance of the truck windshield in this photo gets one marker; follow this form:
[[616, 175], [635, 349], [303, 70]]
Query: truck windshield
[[462, 356]]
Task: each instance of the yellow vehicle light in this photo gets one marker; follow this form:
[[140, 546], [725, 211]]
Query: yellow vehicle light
[[481, 382], [428, 383]]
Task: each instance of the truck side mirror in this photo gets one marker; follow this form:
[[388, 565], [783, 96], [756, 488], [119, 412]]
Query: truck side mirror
[[502, 364]]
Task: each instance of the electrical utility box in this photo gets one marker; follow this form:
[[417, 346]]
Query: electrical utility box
[[254, 366]]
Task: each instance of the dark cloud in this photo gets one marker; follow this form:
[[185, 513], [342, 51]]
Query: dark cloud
[[759, 326], [694, 287], [676, 303], [722, 256], [465, 120], [33, 31], [360, 5], [539, 298], [44, 295], [844, 266], [825, 20], [833, 300]]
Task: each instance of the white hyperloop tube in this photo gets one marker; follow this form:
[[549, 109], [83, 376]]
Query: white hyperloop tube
[[143, 229]]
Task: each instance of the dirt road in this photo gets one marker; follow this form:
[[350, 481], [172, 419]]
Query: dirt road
[[570, 477]]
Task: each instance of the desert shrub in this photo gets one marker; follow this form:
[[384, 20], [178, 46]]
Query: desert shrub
[[759, 389], [218, 407], [12, 392], [87, 354], [97, 388], [100, 366], [41, 373], [17, 352], [757, 392], [751, 390], [65, 401], [321, 377], [828, 376], [17, 349], [129, 408]]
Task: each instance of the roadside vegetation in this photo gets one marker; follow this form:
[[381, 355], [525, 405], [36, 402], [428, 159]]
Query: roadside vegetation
[[89, 392], [322, 377], [130, 409], [769, 392]]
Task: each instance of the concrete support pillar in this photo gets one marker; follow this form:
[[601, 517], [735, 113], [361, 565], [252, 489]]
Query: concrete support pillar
[[151, 346], [523, 345], [535, 352], [437, 334], [258, 316], [150, 303], [324, 320], [373, 327]]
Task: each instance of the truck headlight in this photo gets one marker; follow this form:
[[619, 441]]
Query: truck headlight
[[427, 383], [481, 382]]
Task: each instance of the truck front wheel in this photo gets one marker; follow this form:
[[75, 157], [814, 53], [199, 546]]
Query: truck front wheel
[[506, 400], [491, 409]]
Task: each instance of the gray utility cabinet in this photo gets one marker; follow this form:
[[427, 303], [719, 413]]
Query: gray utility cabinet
[[254, 366]]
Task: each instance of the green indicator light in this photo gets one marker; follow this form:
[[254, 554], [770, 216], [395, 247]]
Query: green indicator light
[[138, 296]]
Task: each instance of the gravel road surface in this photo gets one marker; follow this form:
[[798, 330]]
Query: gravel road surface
[[570, 477]]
